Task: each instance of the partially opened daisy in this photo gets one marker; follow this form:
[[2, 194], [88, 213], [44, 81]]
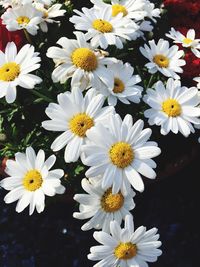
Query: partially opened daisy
[[103, 29], [132, 9], [163, 58], [75, 116], [49, 14], [78, 60], [30, 179], [173, 107], [125, 86], [188, 41], [24, 17], [102, 206], [15, 70], [126, 247], [120, 152], [197, 79]]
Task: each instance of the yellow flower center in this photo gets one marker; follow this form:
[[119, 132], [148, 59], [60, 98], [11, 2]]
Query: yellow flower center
[[102, 25], [161, 61], [121, 154], [111, 202], [85, 59], [23, 20], [118, 86], [80, 123], [187, 41], [32, 180], [116, 9], [9, 71], [125, 251], [171, 107]]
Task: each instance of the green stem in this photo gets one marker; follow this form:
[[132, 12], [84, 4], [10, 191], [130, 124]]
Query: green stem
[[46, 98], [28, 38]]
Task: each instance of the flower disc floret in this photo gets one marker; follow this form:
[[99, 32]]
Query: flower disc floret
[[112, 202], [9, 72], [125, 251], [85, 59]]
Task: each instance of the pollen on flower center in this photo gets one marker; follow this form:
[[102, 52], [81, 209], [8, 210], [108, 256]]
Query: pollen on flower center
[[85, 59], [161, 61], [102, 25], [187, 41], [121, 154], [23, 20], [32, 180], [116, 9], [125, 251], [118, 86], [171, 107], [80, 123], [112, 202], [9, 71]]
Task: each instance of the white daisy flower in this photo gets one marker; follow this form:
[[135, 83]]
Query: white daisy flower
[[151, 11], [174, 108], [188, 41], [102, 28], [102, 206], [79, 61], [197, 79], [24, 17], [49, 13], [132, 9], [163, 58], [14, 3], [75, 116], [126, 247], [120, 152], [30, 179], [15, 70], [125, 86]]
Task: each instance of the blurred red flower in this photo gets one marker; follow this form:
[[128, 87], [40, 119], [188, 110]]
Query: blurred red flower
[[17, 37]]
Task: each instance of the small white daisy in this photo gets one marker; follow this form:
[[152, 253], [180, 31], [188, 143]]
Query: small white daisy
[[15, 70], [174, 108], [24, 17], [126, 247], [125, 86], [14, 3], [120, 152], [102, 205], [197, 79], [30, 179], [132, 9], [81, 62], [49, 13], [75, 116], [163, 58], [186, 41], [102, 28]]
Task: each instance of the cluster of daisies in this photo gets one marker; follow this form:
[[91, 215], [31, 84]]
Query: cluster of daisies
[[118, 151], [29, 15]]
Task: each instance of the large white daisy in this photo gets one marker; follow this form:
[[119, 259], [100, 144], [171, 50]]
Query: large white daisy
[[132, 9], [120, 152], [174, 108], [15, 70], [24, 17], [30, 179], [49, 14], [103, 29], [126, 247], [81, 62], [163, 58], [75, 116], [102, 205], [125, 86], [188, 41]]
